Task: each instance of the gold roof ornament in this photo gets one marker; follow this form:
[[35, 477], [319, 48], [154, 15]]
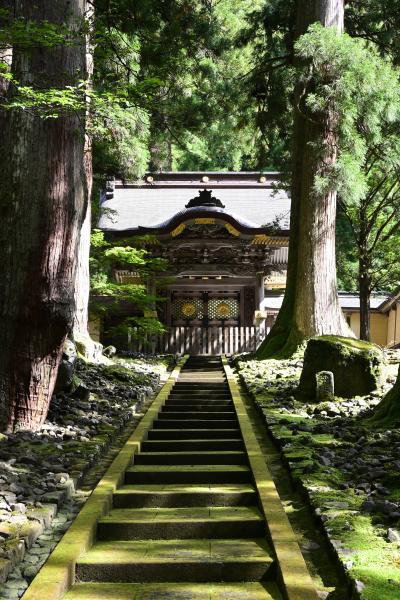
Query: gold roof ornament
[[232, 230], [178, 230], [262, 239], [205, 221]]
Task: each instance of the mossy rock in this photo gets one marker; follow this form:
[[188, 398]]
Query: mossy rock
[[357, 366], [387, 413], [120, 374]]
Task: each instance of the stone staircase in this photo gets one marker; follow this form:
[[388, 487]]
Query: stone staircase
[[185, 524]]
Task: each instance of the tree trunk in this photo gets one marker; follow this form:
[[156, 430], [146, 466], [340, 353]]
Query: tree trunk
[[42, 202], [365, 297], [364, 284], [82, 279], [311, 305]]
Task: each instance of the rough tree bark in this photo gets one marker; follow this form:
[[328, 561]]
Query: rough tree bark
[[82, 277], [365, 310], [43, 199], [90, 349], [311, 305], [364, 285]]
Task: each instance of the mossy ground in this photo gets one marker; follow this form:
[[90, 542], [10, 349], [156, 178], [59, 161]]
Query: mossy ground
[[319, 450], [84, 427]]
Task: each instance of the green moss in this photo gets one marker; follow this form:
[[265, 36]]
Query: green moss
[[298, 455], [323, 439], [346, 342], [375, 561], [281, 345], [387, 413], [117, 372]]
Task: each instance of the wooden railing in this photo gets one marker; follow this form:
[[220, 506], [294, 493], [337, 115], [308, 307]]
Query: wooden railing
[[199, 340]]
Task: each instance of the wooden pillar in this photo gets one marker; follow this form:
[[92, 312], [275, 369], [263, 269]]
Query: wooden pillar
[[260, 290]]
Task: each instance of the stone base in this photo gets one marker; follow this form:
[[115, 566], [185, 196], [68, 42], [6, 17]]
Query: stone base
[[356, 366]]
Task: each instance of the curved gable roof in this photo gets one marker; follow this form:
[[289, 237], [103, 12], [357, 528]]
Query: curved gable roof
[[248, 202]]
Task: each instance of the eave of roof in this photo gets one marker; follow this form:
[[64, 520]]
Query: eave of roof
[[348, 301], [392, 299], [191, 214], [251, 198], [212, 179]]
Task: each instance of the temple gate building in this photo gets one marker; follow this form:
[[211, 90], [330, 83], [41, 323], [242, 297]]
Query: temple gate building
[[225, 237]]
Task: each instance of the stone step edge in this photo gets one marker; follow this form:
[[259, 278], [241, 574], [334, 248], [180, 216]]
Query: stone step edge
[[58, 574], [127, 591], [294, 578]]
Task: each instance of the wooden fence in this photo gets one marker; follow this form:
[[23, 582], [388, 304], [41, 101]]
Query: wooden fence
[[199, 340]]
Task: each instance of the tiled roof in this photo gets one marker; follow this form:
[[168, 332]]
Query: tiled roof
[[389, 301], [273, 301], [148, 204]]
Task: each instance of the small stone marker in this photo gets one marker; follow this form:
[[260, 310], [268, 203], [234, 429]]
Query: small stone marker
[[393, 535], [325, 386]]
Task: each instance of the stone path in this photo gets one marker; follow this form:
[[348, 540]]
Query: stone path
[[186, 523]]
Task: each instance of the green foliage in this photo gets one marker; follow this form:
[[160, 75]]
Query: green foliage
[[271, 34], [347, 255], [105, 256], [345, 78], [186, 108], [202, 118], [23, 33]]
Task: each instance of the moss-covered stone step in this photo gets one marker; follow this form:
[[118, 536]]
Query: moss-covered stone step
[[187, 522], [174, 591], [206, 387], [173, 406], [207, 405], [176, 560], [193, 433], [207, 393], [194, 423], [211, 394], [195, 415], [188, 474], [191, 458], [200, 399], [201, 377], [198, 394], [168, 495], [191, 445], [203, 367]]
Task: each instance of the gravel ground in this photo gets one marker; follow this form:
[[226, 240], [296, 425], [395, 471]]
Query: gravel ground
[[348, 472], [40, 471]]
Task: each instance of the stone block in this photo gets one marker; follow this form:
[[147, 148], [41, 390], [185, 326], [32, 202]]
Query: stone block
[[5, 569], [357, 366], [44, 515]]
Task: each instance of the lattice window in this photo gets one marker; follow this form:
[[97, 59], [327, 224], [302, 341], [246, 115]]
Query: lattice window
[[223, 308], [188, 308]]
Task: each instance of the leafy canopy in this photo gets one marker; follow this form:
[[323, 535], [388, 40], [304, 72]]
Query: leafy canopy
[[348, 78]]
